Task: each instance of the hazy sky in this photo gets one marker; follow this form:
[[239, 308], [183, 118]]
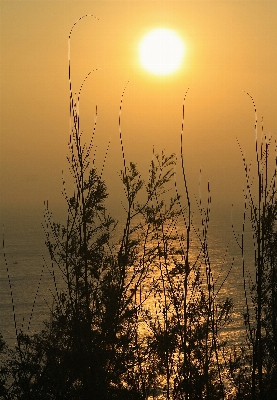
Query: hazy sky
[[231, 47]]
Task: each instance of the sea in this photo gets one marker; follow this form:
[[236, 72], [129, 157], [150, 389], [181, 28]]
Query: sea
[[27, 273]]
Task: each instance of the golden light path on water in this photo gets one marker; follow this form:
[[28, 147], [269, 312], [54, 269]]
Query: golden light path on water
[[25, 271], [156, 294], [25, 266], [226, 275]]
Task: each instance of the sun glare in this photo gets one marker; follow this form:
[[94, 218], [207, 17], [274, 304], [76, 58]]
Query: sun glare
[[161, 51]]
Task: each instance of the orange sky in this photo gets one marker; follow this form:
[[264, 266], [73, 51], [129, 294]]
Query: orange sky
[[231, 47]]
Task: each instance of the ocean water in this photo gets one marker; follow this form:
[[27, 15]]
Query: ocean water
[[23, 265], [26, 270]]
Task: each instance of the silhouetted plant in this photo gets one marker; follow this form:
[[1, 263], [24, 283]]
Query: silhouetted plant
[[187, 322], [180, 313], [260, 314], [3, 368]]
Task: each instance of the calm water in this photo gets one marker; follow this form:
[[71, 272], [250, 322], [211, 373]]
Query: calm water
[[29, 264], [24, 249]]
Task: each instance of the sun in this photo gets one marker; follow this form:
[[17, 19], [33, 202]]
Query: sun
[[161, 51]]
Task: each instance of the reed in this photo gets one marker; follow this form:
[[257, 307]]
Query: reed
[[260, 291]]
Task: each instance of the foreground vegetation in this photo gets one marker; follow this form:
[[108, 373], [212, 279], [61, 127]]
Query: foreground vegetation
[[139, 317]]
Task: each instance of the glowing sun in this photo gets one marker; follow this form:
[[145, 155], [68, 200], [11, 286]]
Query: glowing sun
[[161, 51]]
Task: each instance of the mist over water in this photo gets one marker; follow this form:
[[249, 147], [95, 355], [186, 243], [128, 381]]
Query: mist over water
[[30, 268]]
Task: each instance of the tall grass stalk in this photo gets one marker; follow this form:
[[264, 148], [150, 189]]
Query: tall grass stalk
[[260, 292]]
